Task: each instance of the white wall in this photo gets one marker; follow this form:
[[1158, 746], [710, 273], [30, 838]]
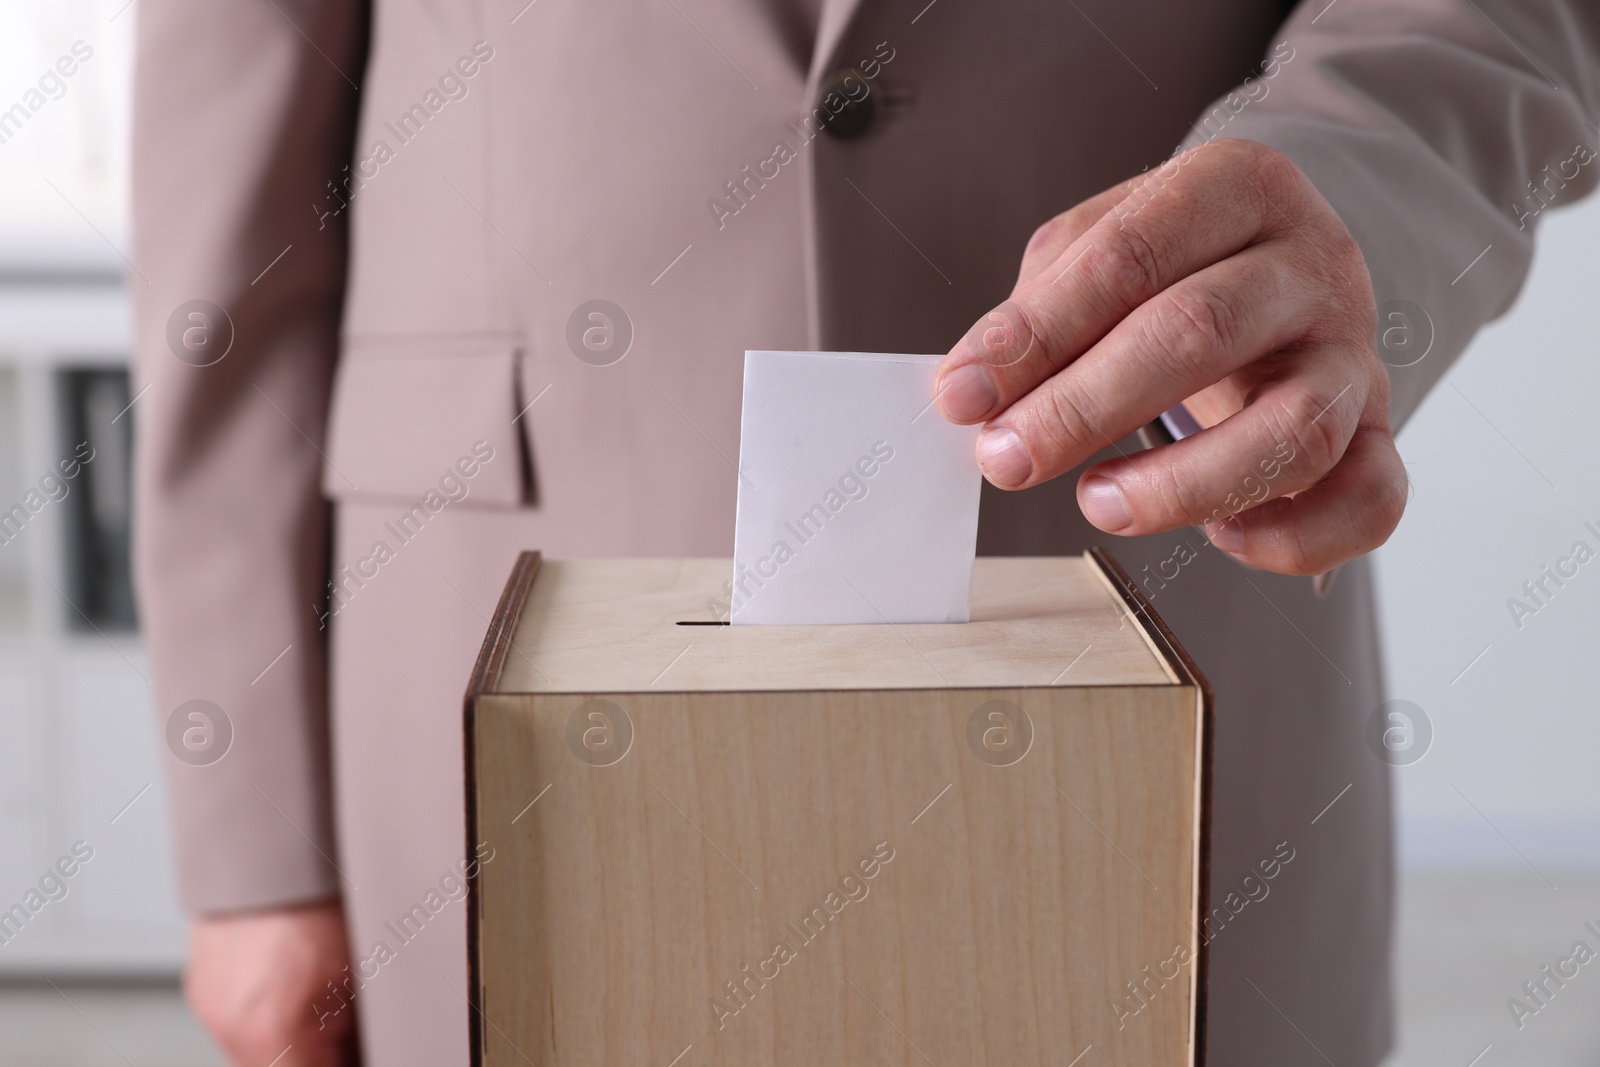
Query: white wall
[[1501, 491]]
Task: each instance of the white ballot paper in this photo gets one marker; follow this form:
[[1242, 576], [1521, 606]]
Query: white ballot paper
[[858, 502]]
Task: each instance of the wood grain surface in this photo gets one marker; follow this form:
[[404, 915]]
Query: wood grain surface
[[593, 625], [910, 873]]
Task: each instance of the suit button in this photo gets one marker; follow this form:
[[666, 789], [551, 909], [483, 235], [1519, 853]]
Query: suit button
[[848, 104]]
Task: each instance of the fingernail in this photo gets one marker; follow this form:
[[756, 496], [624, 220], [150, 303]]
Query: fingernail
[[1226, 535], [967, 394], [1002, 457], [1103, 504]]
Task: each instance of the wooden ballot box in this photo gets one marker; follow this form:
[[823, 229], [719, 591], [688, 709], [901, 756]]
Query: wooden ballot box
[[738, 846]]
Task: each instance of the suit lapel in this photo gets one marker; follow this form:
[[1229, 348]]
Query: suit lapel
[[836, 16]]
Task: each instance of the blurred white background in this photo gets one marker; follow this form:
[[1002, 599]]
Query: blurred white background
[[78, 142], [1503, 463], [1499, 825]]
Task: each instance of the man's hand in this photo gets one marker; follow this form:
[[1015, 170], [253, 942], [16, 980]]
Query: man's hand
[[1222, 280], [259, 983]]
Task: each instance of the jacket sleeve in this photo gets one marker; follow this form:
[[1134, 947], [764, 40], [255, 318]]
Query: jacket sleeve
[[1438, 130], [244, 110]]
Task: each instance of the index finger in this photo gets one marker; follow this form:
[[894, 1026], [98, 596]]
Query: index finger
[[1202, 207]]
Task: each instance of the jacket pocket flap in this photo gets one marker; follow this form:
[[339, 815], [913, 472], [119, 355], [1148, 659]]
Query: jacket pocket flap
[[404, 423]]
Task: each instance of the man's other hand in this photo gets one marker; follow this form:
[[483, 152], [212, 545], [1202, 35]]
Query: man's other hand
[[259, 983]]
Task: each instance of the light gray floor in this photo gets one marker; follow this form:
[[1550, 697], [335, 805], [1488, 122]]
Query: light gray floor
[[77, 1024], [1468, 940]]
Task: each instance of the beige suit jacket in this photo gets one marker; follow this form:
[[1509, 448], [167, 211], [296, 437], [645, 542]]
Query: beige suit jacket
[[401, 205]]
